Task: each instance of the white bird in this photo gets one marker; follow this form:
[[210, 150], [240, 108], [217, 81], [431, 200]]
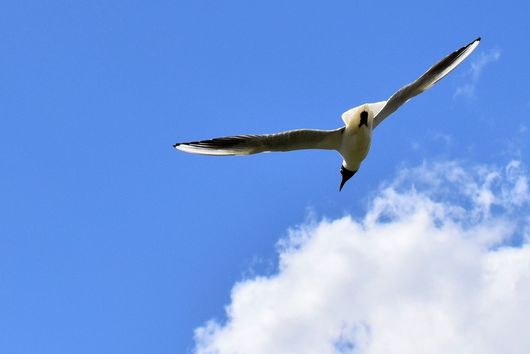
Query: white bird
[[352, 141]]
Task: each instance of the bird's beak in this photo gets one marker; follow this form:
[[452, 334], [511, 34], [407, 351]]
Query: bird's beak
[[346, 175]]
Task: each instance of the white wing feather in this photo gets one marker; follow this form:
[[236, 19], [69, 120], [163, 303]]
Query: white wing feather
[[426, 81]]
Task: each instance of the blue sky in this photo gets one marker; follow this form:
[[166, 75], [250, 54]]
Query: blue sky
[[111, 241]]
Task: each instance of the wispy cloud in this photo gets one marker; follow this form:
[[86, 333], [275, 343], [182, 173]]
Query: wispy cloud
[[477, 67], [429, 268]]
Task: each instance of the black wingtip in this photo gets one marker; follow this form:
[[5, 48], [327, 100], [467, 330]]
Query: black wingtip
[[478, 39], [175, 145]]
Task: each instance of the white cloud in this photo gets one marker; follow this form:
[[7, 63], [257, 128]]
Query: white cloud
[[477, 67], [427, 269]]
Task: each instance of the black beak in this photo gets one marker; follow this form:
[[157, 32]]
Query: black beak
[[346, 175]]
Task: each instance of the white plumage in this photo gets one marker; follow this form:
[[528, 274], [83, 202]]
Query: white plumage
[[352, 141]]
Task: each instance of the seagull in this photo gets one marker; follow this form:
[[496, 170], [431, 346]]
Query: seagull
[[352, 141]]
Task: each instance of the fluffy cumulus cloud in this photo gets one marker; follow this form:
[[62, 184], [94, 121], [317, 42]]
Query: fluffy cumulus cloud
[[439, 263]]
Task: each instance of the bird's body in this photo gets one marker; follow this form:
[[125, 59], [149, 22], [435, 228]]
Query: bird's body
[[352, 141], [357, 137]]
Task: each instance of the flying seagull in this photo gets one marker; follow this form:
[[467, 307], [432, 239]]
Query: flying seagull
[[352, 140]]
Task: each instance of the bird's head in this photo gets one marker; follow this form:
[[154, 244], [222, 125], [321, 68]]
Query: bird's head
[[346, 175]]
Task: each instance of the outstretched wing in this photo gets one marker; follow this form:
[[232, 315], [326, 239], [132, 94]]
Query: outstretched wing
[[426, 81], [253, 144]]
